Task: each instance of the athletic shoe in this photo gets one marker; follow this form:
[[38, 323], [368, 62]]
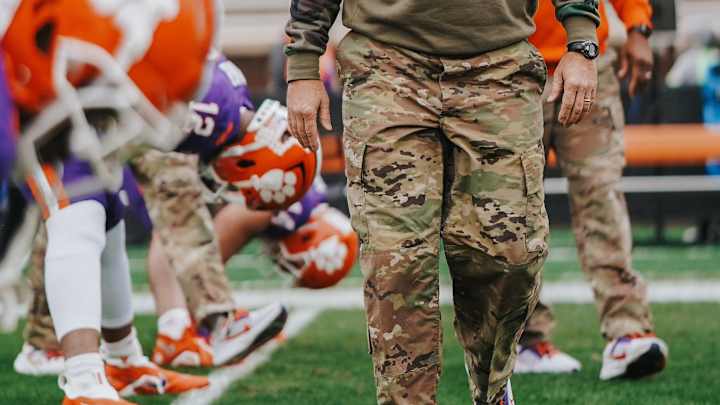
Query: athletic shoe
[[34, 361], [633, 356], [543, 357], [140, 376], [191, 350], [508, 399], [235, 338], [91, 390]]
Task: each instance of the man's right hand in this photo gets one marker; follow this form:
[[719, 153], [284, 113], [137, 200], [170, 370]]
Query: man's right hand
[[304, 99]]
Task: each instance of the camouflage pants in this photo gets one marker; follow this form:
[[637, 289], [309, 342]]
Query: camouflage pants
[[183, 221], [591, 156], [444, 149]]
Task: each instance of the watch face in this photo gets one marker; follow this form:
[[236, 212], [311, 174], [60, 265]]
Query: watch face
[[591, 50]]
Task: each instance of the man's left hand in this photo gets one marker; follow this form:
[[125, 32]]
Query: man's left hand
[[636, 60], [576, 80]]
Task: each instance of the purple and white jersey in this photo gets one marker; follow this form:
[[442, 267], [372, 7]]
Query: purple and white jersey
[[79, 183], [288, 221], [215, 119], [7, 126]]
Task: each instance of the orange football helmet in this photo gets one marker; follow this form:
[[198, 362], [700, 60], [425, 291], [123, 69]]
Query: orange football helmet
[[140, 59], [320, 253], [267, 169]]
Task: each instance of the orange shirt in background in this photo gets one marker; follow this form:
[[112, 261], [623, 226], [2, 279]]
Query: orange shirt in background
[[550, 37]]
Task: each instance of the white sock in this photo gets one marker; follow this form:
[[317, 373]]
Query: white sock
[[85, 377], [174, 322], [127, 347]]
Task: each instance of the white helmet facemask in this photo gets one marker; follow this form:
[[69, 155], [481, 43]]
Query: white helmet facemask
[[139, 124]]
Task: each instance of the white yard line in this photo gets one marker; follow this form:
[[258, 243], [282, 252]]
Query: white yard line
[[222, 379], [554, 292]]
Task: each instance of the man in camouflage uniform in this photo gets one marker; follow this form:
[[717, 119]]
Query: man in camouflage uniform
[[442, 112], [591, 156]]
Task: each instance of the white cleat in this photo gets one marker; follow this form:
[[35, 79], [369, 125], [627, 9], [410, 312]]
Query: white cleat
[[543, 357], [33, 361], [235, 338], [634, 356]]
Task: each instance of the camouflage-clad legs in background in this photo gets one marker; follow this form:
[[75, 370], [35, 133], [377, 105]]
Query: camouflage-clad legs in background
[[444, 148], [39, 330], [173, 194], [591, 156]]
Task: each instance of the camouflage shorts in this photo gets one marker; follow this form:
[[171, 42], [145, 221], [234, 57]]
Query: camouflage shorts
[[447, 149]]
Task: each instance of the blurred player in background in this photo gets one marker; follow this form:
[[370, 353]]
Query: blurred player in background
[[89, 78], [591, 156], [183, 228]]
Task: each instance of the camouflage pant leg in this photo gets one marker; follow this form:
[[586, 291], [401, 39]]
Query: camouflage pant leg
[[39, 329], [496, 228], [174, 197], [394, 105], [591, 155], [395, 179]]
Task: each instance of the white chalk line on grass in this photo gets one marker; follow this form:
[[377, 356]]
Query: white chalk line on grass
[[222, 379], [352, 298]]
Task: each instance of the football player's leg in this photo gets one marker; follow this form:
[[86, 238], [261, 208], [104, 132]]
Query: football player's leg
[[128, 370], [76, 238], [236, 225], [189, 250], [591, 155], [393, 164], [41, 354], [184, 227], [496, 229]]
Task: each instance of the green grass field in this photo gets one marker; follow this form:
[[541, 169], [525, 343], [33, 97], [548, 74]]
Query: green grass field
[[251, 269], [328, 364]]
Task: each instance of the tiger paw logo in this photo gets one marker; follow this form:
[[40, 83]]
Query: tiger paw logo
[[276, 186], [330, 255]]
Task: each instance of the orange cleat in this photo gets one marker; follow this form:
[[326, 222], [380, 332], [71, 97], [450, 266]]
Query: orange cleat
[[192, 350], [95, 401], [141, 377]]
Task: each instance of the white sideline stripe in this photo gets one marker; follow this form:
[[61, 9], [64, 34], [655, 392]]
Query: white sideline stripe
[[222, 379], [649, 184], [554, 292]]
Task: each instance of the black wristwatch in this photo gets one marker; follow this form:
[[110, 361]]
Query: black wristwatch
[[588, 49], [644, 30]]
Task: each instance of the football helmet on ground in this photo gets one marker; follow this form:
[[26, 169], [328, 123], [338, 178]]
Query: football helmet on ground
[[321, 252]]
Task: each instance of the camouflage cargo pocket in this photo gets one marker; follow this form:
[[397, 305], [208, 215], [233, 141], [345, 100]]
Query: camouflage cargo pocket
[[533, 163], [354, 168]]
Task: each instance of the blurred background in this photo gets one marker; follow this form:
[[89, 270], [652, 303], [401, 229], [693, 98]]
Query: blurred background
[[670, 183]]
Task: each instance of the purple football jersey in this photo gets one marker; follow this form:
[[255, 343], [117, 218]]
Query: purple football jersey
[[215, 119], [288, 221], [7, 126], [80, 184]]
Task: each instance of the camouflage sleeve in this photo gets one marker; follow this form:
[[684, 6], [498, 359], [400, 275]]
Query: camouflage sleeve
[[579, 17], [308, 28]]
